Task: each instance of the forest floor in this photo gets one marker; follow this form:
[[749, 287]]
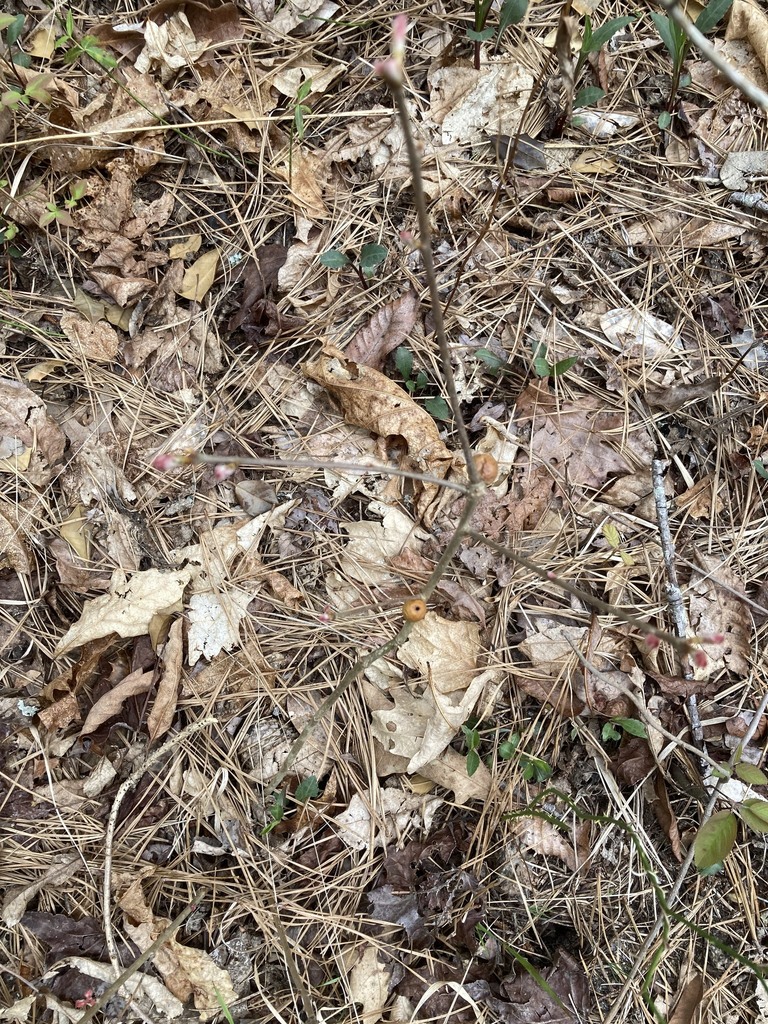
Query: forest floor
[[209, 244]]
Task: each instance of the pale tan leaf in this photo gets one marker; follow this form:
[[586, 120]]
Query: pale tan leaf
[[385, 331], [548, 841], [749, 21], [199, 278], [444, 652], [111, 703], [164, 707], [717, 609], [593, 161], [74, 531], [43, 42], [13, 550], [128, 608], [189, 245], [369, 981]]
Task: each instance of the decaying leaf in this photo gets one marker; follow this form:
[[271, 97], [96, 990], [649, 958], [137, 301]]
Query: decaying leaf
[[385, 331], [444, 652], [688, 1001], [13, 550], [466, 102], [717, 609], [31, 442], [129, 607], [188, 972], [370, 400], [369, 980], [97, 341], [548, 841]]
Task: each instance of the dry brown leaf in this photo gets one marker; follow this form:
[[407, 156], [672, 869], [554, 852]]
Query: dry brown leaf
[[13, 550], [111, 703], [548, 841], [43, 42], [31, 443], [61, 714], [306, 174], [593, 161], [466, 102], [443, 651], [187, 972], [697, 500], [749, 21], [169, 46], [688, 1001], [129, 607], [665, 815], [716, 610], [199, 278], [370, 400], [386, 329], [164, 707]]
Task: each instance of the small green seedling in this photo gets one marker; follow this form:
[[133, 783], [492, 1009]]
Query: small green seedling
[[760, 468], [437, 407], [512, 13], [677, 44], [12, 26], [542, 366], [365, 264], [307, 789], [56, 213], [300, 109], [612, 730], [717, 836], [472, 742], [592, 41], [87, 46], [33, 92], [534, 769]]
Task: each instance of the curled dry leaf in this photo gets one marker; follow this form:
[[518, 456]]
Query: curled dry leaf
[[111, 703], [545, 839], [370, 400], [749, 21], [161, 715], [369, 981], [31, 443], [717, 609], [385, 331], [199, 278]]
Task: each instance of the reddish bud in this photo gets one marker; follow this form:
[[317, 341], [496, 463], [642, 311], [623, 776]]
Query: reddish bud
[[700, 659], [652, 642], [327, 614], [166, 461], [224, 470]]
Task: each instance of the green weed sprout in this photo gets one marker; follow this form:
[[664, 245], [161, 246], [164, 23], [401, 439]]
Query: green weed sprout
[[87, 46], [512, 12], [678, 45], [592, 41], [365, 264]]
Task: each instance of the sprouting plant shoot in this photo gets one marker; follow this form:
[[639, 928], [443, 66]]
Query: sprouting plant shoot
[[592, 41], [542, 366], [365, 264], [437, 406], [87, 46], [677, 44], [512, 13], [612, 730]]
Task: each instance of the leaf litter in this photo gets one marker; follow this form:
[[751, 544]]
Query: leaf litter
[[179, 304]]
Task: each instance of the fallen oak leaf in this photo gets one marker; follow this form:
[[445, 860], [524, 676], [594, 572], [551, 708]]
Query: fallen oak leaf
[[386, 330], [161, 715], [129, 608]]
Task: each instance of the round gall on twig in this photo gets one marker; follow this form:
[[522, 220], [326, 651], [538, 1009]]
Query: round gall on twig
[[414, 610], [487, 467]]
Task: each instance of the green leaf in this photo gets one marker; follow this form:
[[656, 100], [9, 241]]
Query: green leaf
[[754, 814], [69, 24], [14, 30], [276, 812], [334, 259], [507, 750], [564, 365], [6, 20], [307, 789], [751, 774], [670, 35], [304, 90], [587, 96], [472, 736], [298, 122], [715, 839], [404, 362], [473, 762], [632, 726], [606, 32], [491, 361], [11, 99], [438, 407], [36, 89], [610, 732], [512, 13], [760, 468], [225, 1011], [541, 366], [712, 15], [421, 381], [479, 36], [664, 120], [372, 256]]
